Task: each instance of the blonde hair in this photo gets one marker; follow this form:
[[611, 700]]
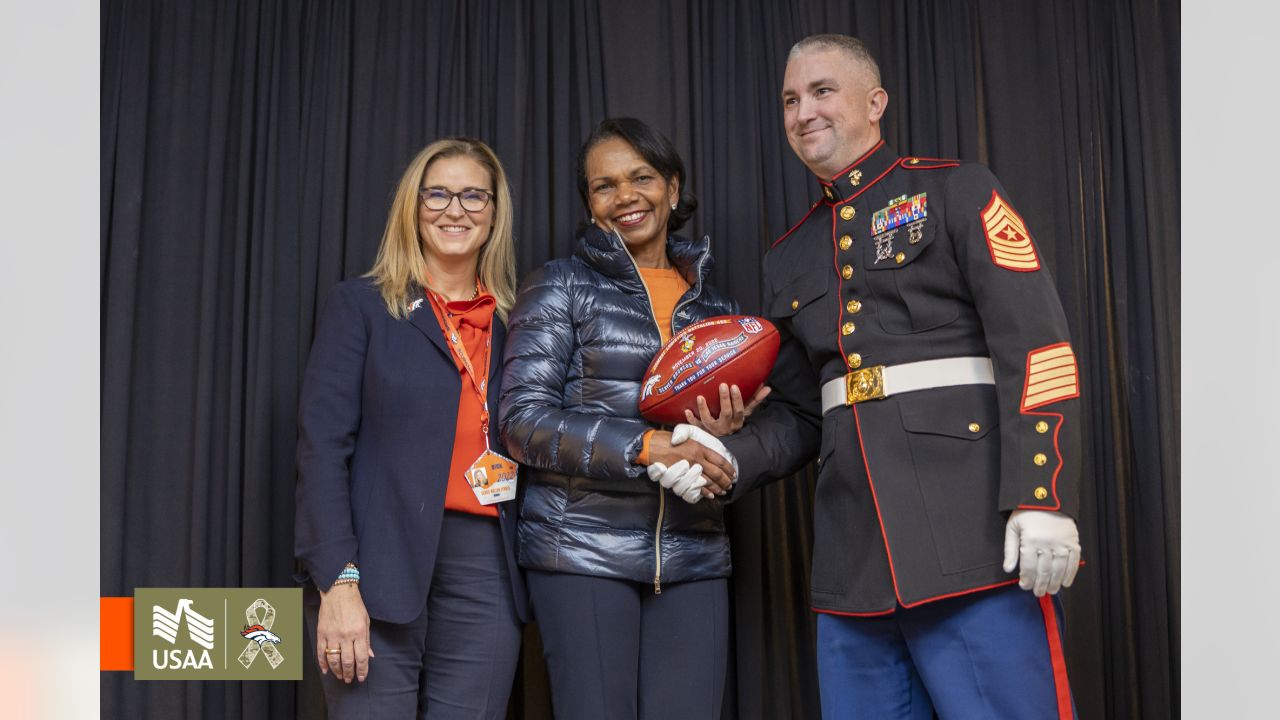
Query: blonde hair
[[400, 264]]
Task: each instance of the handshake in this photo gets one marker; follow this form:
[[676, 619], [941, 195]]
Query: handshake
[[686, 479]]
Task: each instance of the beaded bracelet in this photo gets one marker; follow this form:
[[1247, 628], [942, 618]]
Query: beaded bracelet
[[350, 575]]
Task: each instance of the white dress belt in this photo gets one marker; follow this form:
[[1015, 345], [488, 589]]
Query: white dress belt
[[873, 383]]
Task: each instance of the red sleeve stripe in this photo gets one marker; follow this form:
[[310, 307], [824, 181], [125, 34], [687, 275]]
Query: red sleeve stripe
[[1052, 375]]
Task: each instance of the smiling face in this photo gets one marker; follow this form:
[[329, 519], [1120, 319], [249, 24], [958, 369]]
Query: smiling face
[[831, 109], [455, 234], [628, 195]]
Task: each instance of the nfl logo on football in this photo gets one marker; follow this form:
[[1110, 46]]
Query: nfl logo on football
[[751, 325]]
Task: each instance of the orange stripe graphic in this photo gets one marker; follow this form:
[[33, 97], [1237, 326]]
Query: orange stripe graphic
[[115, 633]]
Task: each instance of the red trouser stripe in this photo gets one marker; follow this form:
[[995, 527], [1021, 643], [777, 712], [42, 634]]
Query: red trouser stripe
[[1056, 657]]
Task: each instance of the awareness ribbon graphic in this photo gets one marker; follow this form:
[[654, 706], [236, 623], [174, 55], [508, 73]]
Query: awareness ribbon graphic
[[267, 648]]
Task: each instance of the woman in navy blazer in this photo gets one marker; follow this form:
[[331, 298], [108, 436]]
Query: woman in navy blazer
[[414, 592]]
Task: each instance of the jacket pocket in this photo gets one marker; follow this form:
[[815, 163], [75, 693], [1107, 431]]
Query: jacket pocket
[[912, 278], [802, 304], [955, 449]]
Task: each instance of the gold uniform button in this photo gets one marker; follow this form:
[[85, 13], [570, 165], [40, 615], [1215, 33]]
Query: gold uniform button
[[1041, 493], [855, 360], [1040, 459], [846, 272], [845, 242], [847, 212], [913, 161], [1042, 427], [853, 306], [795, 304], [974, 427], [900, 257], [847, 329]]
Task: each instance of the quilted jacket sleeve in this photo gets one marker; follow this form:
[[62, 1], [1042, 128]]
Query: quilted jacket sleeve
[[536, 428]]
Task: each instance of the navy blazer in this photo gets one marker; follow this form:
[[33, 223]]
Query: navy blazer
[[377, 414]]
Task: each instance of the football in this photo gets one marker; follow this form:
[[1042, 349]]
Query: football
[[731, 349]]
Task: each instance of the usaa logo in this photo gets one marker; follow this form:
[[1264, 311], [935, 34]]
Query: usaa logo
[[217, 633], [168, 626]]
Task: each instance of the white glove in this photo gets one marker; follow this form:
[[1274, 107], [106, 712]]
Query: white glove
[[686, 482], [1046, 545], [685, 431]]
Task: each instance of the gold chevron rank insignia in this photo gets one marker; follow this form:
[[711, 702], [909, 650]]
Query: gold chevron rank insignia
[[1007, 237], [1052, 375]]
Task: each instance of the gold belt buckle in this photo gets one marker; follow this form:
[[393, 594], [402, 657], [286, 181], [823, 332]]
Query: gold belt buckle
[[865, 384]]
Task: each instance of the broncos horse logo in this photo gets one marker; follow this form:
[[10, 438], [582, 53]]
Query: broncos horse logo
[[260, 635]]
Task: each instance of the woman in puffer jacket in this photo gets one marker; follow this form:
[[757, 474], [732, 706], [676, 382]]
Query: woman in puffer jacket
[[627, 575]]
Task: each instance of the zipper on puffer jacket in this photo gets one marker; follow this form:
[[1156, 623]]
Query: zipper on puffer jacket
[[662, 496], [697, 277]]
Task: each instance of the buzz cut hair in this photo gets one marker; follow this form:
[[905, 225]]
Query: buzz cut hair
[[851, 46]]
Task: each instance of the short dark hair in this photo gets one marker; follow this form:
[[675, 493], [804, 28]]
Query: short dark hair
[[656, 150], [851, 46]]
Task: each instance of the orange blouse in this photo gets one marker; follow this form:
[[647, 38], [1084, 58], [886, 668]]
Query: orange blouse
[[666, 286], [473, 318]]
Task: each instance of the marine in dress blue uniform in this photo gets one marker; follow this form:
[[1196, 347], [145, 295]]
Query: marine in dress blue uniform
[[923, 335]]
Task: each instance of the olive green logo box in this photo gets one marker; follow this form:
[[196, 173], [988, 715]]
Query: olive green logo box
[[217, 634]]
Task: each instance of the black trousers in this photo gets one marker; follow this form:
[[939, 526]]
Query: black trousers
[[616, 650], [458, 658]]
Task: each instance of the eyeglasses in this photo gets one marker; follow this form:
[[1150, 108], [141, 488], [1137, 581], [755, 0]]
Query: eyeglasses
[[471, 199]]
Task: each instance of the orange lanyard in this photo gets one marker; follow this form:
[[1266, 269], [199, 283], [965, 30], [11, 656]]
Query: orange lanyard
[[479, 382]]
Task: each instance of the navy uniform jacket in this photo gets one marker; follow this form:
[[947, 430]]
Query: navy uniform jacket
[[909, 259], [377, 416]]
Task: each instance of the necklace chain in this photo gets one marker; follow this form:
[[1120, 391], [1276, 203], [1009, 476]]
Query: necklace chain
[[475, 293]]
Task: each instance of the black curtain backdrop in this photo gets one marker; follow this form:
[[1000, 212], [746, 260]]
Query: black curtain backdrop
[[249, 152]]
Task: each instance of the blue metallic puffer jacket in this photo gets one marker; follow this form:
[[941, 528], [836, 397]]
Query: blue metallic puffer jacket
[[578, 342]]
